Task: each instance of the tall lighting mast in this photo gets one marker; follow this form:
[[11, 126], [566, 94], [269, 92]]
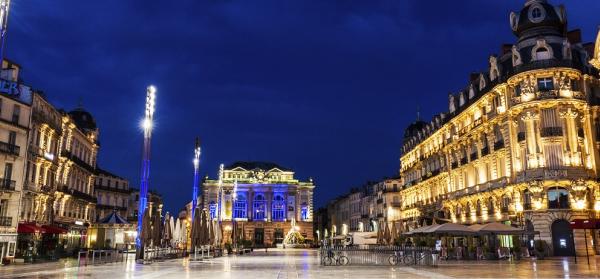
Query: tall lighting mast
[[4, 6], [196, 167], [147, 124]]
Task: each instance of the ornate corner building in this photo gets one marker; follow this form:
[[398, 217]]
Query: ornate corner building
[[259, 200], [520, 143]]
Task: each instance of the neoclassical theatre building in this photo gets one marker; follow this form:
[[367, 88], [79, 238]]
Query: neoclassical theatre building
[[259, 199], [520, 143]]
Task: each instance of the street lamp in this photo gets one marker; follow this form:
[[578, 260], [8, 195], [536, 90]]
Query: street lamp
[[4, 6], [196, 167], [146, 125]]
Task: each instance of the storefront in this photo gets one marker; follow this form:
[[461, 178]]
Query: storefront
[[8, 243], [36, 242]]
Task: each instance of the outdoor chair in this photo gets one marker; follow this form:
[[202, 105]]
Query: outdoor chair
[[459, 253], [480, 255]]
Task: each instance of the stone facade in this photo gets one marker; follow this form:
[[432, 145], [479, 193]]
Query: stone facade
[[260, 199], [519, 144]]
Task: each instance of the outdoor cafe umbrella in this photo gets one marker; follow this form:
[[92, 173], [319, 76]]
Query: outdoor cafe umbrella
[[176, 232], [449, 229], [386, 234], [167, 233], [146, 234], [379, 235], [420, 230], [172, 228], [204, 237], [394, 233], [496, 228], [196, 229], [156, 230]]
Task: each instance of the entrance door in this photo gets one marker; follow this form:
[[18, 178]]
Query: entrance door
[[562, 239], [278, 235], [259, 236]]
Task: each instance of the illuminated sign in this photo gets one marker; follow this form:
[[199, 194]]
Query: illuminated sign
[[79, 223], [10, 88], [15, 90]]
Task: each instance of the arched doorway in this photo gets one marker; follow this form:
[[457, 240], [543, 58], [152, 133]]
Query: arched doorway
[[562, 238]]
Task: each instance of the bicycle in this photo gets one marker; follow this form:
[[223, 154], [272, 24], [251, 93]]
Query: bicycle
[[338, 259]]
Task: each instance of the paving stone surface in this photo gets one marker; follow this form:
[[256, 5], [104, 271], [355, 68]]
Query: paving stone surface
[[303, 264]]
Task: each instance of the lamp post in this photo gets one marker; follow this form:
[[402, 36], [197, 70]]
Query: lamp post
[[196, 167], [145, 172], [4, 6]]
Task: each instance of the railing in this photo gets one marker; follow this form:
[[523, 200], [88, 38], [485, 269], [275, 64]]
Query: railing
[[9, 148], [377, 255], [100, 257], [7, 184], [541, 64], [6, 221]]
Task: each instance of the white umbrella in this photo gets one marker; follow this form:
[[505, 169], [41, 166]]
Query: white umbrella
[[177, 232], [173, 237]]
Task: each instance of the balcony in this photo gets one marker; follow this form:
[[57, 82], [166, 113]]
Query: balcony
[[541, 64], [10, 149], [78, 194], [551, 132], [7, 184], [6, 221], [112, 189]]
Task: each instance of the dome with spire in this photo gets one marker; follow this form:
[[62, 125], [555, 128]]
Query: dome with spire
[[539, 18], [414, 128], [83, 119]]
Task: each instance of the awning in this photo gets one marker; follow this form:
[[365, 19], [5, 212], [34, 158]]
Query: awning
[[496, 228], [29, 228], [585, 224], [53, 229]]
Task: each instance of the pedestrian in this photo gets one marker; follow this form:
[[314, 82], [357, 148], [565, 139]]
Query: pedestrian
[[266, 249]]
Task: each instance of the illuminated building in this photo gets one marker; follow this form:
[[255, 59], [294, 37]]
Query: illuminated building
[[519, 144], [260, 198], [112, 193], [15, 111]]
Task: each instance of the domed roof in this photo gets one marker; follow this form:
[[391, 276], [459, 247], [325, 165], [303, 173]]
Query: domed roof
[[83, 119], [414, 128], [538, 18]]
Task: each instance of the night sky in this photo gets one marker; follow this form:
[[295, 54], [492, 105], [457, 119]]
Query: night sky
[[324, 87]]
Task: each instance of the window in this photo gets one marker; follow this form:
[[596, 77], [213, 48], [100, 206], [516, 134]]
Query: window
[[259, 207], [536, 13], [278, 207], [558, 198], [16, 114], [545, 84], [304, 212], [239, 206], [505, 203], [212, 210], [490, 206], [527, 200], [12, 138]]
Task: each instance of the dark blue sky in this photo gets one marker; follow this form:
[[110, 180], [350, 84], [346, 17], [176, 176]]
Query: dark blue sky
[[324, 87]]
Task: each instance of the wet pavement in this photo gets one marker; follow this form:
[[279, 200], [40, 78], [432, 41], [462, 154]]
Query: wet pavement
[[303, 264]]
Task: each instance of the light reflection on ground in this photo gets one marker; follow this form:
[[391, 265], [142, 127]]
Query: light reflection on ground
[[304, 264]]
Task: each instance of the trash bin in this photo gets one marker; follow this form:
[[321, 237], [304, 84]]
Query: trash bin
[[434, 259]]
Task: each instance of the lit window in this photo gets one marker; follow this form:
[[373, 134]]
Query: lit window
[[558, 198], [239, 207], [259, 207], [278, 207], [304, 212], [212, 209], [545, 84]]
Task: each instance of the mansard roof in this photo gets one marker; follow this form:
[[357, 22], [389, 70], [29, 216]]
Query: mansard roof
[[265, 166]]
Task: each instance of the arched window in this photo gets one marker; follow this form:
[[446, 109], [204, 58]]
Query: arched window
[[490, 206], [259, 207], [478, 208], [278, 207], [212, 209], [527, 200], [239, 206], [458, 210], [558, 198], [506, 200]]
